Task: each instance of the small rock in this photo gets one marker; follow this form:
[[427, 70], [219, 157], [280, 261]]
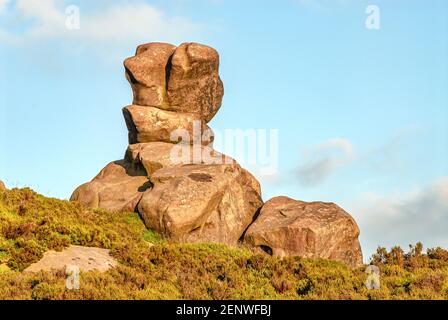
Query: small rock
[[86, 258]]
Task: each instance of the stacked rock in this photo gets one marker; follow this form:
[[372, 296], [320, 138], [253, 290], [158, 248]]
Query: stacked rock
[[188, 192], [173, 88], [171, 175]]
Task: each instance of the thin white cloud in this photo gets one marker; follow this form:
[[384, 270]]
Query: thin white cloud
[[402, 219], [136, 23], [390, 157], [323, 160], [117, 26], [44, 10]]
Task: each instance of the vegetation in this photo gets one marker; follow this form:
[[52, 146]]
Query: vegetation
[[31, 224]]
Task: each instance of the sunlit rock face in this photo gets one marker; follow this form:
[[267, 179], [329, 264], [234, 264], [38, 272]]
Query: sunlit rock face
[[187, 191]]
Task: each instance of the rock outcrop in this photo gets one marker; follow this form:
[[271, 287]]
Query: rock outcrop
[[170, 174], [2, 186], [287, 227], [187, 191]]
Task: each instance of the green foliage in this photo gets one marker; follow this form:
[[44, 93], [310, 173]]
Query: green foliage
[[435, 258], [31, 224]]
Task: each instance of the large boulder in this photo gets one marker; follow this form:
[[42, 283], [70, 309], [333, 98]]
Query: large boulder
[[287, 227], [149, 124], [118, 187], [201, 203], [146, 72], [2, 186], [157, 155]]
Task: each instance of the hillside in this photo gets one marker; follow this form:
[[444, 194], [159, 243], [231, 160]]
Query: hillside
[[31, 224]]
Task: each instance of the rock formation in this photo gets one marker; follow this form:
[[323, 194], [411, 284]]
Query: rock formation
[[187, 191], [170, 174], [2, 186], [288, 227]]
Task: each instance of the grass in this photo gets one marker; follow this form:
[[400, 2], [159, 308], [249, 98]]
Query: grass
[[31, 224]]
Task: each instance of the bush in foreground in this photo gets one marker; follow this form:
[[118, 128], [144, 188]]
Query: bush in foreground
[[31, 224]]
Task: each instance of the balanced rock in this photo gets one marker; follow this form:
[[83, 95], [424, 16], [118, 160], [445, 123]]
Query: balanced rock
[[201, 203], [149, 124], [176, 91], [187, 191], [286, 227], [157, 155], [118, 187], [183, 79]]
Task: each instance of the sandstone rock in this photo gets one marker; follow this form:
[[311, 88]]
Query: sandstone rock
[[146, 72], [183, 79], [86, 258], [286, 227], [188, 192], [118, 187], [2, 186], [157, 155], [149, 124], [194, 84], [201, 203]]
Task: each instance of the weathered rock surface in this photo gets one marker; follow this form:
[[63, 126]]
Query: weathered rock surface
[[188, 192], [194, 84], [201, 203], [118, 187], [146, 72], [183, 79], [86, 258], [157, 155], [287, 227], [2, 186], [149, 124]]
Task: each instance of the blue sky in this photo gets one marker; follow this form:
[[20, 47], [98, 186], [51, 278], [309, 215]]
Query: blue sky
[[362, 114]]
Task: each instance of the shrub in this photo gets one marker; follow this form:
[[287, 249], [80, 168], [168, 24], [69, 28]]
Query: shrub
[[31, 224]]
